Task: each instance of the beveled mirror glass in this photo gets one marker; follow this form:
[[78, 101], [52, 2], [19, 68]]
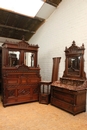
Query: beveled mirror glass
[[29, 59], [74, 65], [14, 58]]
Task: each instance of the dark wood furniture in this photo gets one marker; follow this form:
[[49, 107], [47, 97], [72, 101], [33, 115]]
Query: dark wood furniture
[[69, 93], [20, 78], [74, 62], [0, 68], [69, 99], [55, 70], [44, 92]]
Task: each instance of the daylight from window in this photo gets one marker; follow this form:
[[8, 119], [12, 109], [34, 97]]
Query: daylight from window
[[25, 7]]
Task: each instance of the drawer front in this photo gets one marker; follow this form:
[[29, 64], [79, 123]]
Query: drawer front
[[67, 97], [63, 105], [11, 81], [74, 109], [15, 81]]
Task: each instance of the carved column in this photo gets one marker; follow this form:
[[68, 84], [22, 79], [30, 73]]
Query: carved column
[[55, 71]]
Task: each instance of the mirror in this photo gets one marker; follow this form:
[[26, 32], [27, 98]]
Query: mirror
[[14, 58], [74, 65], [29, 59]]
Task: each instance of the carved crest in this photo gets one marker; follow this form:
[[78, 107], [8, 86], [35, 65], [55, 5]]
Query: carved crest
[[22, 67], [24, 44], [74, 49]]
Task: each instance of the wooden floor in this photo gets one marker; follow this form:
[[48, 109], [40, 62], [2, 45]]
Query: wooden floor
[[35, 116]]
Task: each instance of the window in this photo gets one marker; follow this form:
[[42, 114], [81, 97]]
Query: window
[[25, 7]]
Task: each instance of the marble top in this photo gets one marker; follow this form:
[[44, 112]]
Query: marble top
[[70, 87]]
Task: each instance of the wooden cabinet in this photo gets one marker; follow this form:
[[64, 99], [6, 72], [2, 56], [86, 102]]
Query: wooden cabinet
[[20, 85], [69, 93], [0, 68], [20, 80], [73, 101]]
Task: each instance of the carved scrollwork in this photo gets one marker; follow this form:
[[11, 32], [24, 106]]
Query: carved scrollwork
[[24, 91], [74, 49], [24, 44], [35, 90], [11, 93]]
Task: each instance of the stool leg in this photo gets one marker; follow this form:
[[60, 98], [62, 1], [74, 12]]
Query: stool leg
[[47, 88], [43, 88], [39, 88]]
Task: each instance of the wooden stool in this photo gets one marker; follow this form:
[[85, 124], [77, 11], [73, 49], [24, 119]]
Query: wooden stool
[[44, 92]]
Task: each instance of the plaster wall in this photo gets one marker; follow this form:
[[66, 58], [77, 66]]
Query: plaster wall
[[67, 23]]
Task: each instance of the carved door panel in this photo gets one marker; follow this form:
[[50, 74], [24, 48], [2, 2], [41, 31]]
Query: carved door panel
[[35, 92]]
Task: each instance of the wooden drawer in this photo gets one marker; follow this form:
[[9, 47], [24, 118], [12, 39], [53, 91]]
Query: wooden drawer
[[61, 104], [69, 98], [20, 81], [74, 109], [11, 81]]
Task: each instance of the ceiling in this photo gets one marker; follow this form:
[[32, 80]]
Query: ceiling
[[16, 26]]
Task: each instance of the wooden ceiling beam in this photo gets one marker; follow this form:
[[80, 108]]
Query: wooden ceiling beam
[[15, 28], [53, 2]]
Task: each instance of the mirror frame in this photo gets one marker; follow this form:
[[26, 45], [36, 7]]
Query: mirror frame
[[21, 47], [72, 52]]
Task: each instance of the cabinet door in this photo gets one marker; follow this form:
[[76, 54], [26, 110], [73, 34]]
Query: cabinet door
[[35, 92], [24, 93]]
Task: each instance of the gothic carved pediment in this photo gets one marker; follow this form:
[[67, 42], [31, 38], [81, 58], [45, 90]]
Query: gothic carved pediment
[[22, 67], [24, 44], [74, 49]]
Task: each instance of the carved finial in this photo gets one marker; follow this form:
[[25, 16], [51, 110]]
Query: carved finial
[[82, 45], [65, 48], [73, 43]]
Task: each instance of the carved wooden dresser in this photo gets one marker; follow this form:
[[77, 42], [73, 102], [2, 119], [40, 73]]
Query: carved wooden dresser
[[69, 93], [0, 68], [68, 97], [20, 73]]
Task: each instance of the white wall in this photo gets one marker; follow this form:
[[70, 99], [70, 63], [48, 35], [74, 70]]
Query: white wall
[[67, 23]]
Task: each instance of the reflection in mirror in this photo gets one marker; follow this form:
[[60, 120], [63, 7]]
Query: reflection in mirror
[[14, 58], [74, 65], [29, 59]]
